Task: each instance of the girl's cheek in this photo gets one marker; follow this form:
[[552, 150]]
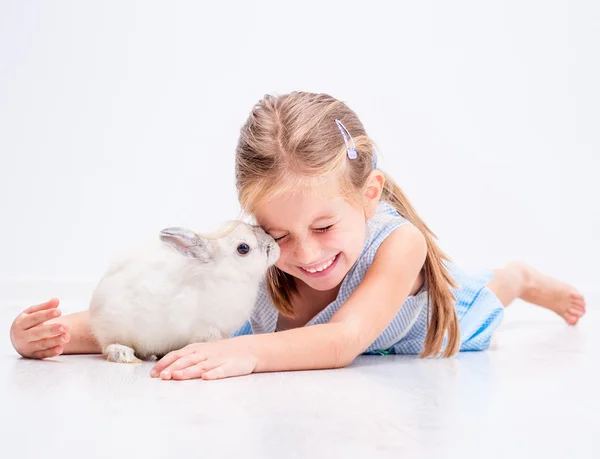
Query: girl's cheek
[[283, 266], [283, 254], [338, 237]]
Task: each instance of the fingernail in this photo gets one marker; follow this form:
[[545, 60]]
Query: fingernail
[[153, 373], [165, 374], [55, 312], [62, 330]]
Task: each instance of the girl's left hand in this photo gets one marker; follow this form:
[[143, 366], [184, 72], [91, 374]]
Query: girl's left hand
[[215, 360]]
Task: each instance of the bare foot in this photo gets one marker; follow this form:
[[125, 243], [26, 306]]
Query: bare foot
[[551, 293]]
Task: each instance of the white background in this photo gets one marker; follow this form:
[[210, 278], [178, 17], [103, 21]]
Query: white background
[[120, 118]]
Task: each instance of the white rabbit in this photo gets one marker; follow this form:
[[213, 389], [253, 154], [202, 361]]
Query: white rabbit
[[179, 289]]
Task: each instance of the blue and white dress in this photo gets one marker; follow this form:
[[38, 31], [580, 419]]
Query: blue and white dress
[[478, 309]]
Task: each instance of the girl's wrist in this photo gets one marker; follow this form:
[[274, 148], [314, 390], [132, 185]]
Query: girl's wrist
[[249, 345]]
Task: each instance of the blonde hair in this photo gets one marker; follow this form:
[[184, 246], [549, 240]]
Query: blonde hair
[[291, 137]]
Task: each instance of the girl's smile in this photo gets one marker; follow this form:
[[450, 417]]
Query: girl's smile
[[321, 269]]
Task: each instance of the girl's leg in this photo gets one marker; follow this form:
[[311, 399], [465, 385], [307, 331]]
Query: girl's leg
[[519, 280]]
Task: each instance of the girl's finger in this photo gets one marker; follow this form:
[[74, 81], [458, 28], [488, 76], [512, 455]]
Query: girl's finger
[[180, 364], [46, 353], [53, 303], [165, 362], [45, 331], [196, 371], [35, 318], [217, 373], [49, 343]]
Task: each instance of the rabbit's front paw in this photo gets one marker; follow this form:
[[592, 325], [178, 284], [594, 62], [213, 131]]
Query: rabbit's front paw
[[120, 354]]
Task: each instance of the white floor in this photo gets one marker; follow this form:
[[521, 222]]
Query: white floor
[[533, 395]]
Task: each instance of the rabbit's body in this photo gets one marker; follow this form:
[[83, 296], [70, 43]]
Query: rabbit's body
[[168, 294]]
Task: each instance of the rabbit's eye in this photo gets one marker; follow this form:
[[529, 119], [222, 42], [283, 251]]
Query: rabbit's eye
[[243, 249]]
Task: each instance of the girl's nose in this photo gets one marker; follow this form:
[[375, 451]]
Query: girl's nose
[[306, 251]]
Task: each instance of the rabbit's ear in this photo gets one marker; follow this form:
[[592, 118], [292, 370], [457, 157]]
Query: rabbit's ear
[[188, 243]]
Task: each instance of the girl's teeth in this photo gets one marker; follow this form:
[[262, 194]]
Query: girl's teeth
[[321, 268]]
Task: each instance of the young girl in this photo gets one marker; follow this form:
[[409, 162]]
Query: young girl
[[359, 271]]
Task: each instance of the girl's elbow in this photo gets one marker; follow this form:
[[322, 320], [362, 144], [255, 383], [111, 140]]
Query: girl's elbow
[[347, 346]]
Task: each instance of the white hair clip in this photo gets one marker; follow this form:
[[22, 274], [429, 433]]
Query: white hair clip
[[351, 150]]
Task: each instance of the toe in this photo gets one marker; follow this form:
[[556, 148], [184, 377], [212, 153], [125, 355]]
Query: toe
[[577, 297], [573, 316], [571, 319]]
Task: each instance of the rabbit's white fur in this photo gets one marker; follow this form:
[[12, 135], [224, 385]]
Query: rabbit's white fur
[[179, 290]]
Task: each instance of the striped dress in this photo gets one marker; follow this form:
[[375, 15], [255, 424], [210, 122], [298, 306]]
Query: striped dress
[[478, 309]]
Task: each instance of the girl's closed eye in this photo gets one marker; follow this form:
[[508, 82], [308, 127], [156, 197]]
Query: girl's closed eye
[[323, 230], [316, 230]]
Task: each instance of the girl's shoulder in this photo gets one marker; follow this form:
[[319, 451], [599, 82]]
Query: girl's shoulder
[[379, 227]]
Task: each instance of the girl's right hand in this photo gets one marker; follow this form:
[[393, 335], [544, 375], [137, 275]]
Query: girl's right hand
[[33, 337]]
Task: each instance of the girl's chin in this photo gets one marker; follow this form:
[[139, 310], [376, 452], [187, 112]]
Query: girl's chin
[[323, 286]]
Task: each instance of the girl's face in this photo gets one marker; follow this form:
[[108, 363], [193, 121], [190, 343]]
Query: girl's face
[[320, 237]]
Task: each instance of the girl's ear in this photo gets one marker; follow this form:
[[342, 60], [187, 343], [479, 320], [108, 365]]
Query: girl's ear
[[373, 192]]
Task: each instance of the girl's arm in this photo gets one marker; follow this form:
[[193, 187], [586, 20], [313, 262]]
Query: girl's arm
[[358, 322], [82, 341]]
